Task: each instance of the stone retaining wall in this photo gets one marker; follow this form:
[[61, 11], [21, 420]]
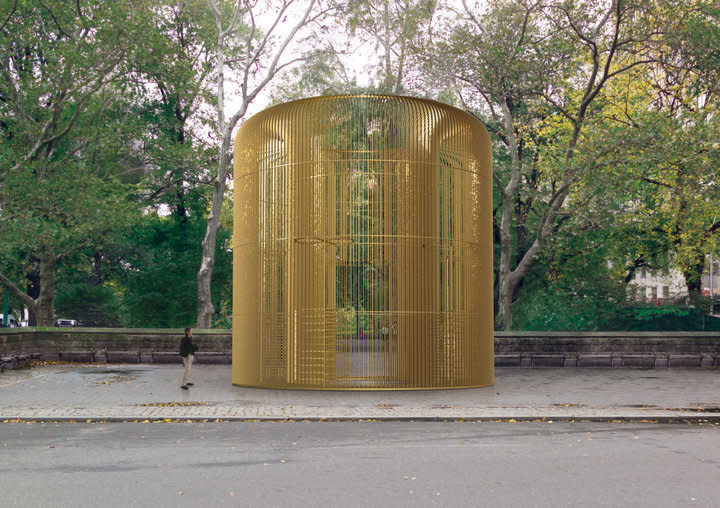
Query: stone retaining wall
[[115, 345], [518, 349], [607, 349]]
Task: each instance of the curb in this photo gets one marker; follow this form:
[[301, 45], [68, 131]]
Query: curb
[[666, 420], [340, 414]]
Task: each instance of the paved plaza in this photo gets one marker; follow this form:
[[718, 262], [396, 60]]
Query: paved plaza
[[112, 392]]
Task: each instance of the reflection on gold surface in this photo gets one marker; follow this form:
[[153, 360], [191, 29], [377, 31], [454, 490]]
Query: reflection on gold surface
[[362, 246]]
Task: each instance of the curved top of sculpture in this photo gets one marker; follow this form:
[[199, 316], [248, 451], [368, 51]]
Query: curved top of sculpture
[[362, 244], [317, 115]]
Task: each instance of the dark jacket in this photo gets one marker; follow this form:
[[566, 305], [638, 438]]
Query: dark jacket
[[187, 347]]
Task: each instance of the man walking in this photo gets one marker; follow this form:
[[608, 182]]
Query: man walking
[[187, 351]]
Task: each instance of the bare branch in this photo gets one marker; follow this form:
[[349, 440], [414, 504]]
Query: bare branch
[[604, 19], [233, 22], [273, 65], [526, 20], [564, 112], [473, 18], [7, 20], [215, 9], [576, 29], [17, 292], [498, 182], [57, 23], [656, 182], [42, 140], [627, 67], [255, 56]]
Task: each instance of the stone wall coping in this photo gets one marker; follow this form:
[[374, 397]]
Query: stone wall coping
[[81, 330], [591, 335], [223, 331]]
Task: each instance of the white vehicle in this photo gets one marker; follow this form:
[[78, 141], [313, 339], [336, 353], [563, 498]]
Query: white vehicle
[[66, 323]]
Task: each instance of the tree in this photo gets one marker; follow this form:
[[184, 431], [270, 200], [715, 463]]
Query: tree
[[687, 151], [158, 285], [324, 73], [256, 54], [56, 67], [673, 153], [168, 94], [386, 35], [392, 27], [677, 178], [535, 71]]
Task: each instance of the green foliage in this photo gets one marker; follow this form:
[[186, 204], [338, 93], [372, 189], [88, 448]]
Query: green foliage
[[322, 73], [572, 288], [159, 286], [105, 114], [561, 308], [558, 310], [662, 317], [57, 70], [90, 305]]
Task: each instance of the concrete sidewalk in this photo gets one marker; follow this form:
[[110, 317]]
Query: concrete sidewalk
[[152, 392]]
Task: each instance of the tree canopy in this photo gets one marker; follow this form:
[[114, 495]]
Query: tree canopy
[[116, 122]]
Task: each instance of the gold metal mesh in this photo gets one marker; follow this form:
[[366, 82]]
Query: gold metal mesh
[[362, 244]]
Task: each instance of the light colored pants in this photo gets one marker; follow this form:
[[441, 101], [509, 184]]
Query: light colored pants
[[187, 362]]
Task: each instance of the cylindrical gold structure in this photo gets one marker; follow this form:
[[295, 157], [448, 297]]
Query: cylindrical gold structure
[[362, 246]]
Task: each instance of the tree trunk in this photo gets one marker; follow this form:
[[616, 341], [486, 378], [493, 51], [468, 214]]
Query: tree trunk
[[46, 300], [44, 306], [505, 288], [207, 263], [693, 275], [505, 295], [509, 193]]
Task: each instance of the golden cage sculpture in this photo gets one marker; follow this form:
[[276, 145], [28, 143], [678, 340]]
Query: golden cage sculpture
[[362, 246]]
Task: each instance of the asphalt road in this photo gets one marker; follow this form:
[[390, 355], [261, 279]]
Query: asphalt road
[[359, 464]]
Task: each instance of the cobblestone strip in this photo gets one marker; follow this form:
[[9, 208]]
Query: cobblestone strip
[[139, 413]]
